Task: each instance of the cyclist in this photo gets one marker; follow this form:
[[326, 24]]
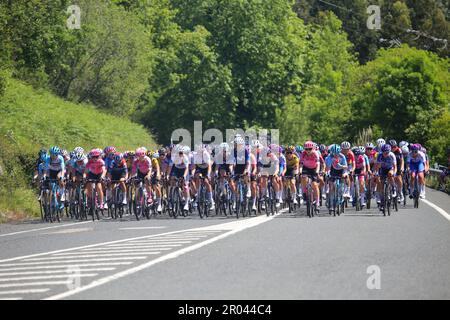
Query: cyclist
[[180, 169], [335, 164], [417, 167], [78, 168], [202, 161], [254, 156], [142, 169], [118, 171], [292, 165], [55, 169], [40, 164], [400, 167], [268, 168], [95, 170], [350, 157], [360, 172], [277, 181], [310, 166], [241, 163], [385, 167]]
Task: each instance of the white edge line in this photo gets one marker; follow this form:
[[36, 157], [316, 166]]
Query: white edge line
[[438, 209], [169, 256], [46, 228]]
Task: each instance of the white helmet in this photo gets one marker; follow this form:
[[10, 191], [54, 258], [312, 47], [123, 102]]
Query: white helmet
[[405, 149], [256, 144], [381, 142], [224, 145], [239, 140], [403, 143]]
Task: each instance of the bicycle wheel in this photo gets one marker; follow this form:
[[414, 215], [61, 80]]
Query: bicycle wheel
[[238, 201], [201, 202], [356, 199]]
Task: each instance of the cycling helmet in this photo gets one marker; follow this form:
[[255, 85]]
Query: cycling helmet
[[345, 145], [155, 155], [316, 146], [356, 151], [423, 150], [322, 148], [381, 142], [72, 154], [256, 144], [186, 149], [335, 149], [54, 151], [80, 157], [42, 151], [309, 145], [414, 147], [118, 157], [419, 146], [386, 148], [162, 151], [392, 143], [78, 150], [95, 153], [224, 145], [239, 140], [299, 149], [362, 149], [353, 149], [140, 152], [369, 145], [290, 149], [405, 149], [403, 143], [109, 150]]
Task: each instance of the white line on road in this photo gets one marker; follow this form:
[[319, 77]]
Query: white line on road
[[13, 298], [89, 246], [25, 291], [76, 255], [68, 261], [141, 228], [141, 246], [42, 283], [46, 228], [60, 276], [113, 250], [244, 224], [51, 272], [65, 266], [438, 209]]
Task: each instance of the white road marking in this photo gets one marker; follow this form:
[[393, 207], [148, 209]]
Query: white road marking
[[232, 227], [73, 230], [142, 246], [141, 228], [444, 213], [32, 284], [25, 291], [75, 262], [90, 246], [51, 272], [65, 266], [76, 255], [114, 250], [46, 228], [58, 276], [14, 298]]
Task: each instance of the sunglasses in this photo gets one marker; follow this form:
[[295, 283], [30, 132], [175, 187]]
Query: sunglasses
[[309, 149], [288, 152]]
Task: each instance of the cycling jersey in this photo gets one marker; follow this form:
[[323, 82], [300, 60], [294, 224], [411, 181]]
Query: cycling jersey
[[360, 162], [282, 162], [372, 157], [164, 163], [202, 159], [350, 157], [155, 164], [143, 166], [95, 166], [293, 162], [310, 161], [338, 162], [108, 162], [118, 170], [417, 161], [366, 160], [79, 167], [55, 164], [388, 162]]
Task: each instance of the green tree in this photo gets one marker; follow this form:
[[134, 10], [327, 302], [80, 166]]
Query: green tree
[[401, 92], [439, 140]]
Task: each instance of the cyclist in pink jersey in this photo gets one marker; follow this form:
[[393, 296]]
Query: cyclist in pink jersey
[[310, 166], [142, 169], [360, 172], [95, 170]]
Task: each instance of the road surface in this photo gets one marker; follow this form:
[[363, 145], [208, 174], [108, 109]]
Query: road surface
[[288, 256]]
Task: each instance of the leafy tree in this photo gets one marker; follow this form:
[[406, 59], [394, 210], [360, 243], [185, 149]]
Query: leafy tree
[[401, 91], [439, 140]]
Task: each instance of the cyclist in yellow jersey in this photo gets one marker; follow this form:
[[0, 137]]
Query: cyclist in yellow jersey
[[156, 177], [292, 163]]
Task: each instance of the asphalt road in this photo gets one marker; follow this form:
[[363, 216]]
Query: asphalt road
[[289, 256]]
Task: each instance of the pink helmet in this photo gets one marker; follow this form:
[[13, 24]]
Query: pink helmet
[[95, 153], [309, 145], [140, 152], [109, 150]]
